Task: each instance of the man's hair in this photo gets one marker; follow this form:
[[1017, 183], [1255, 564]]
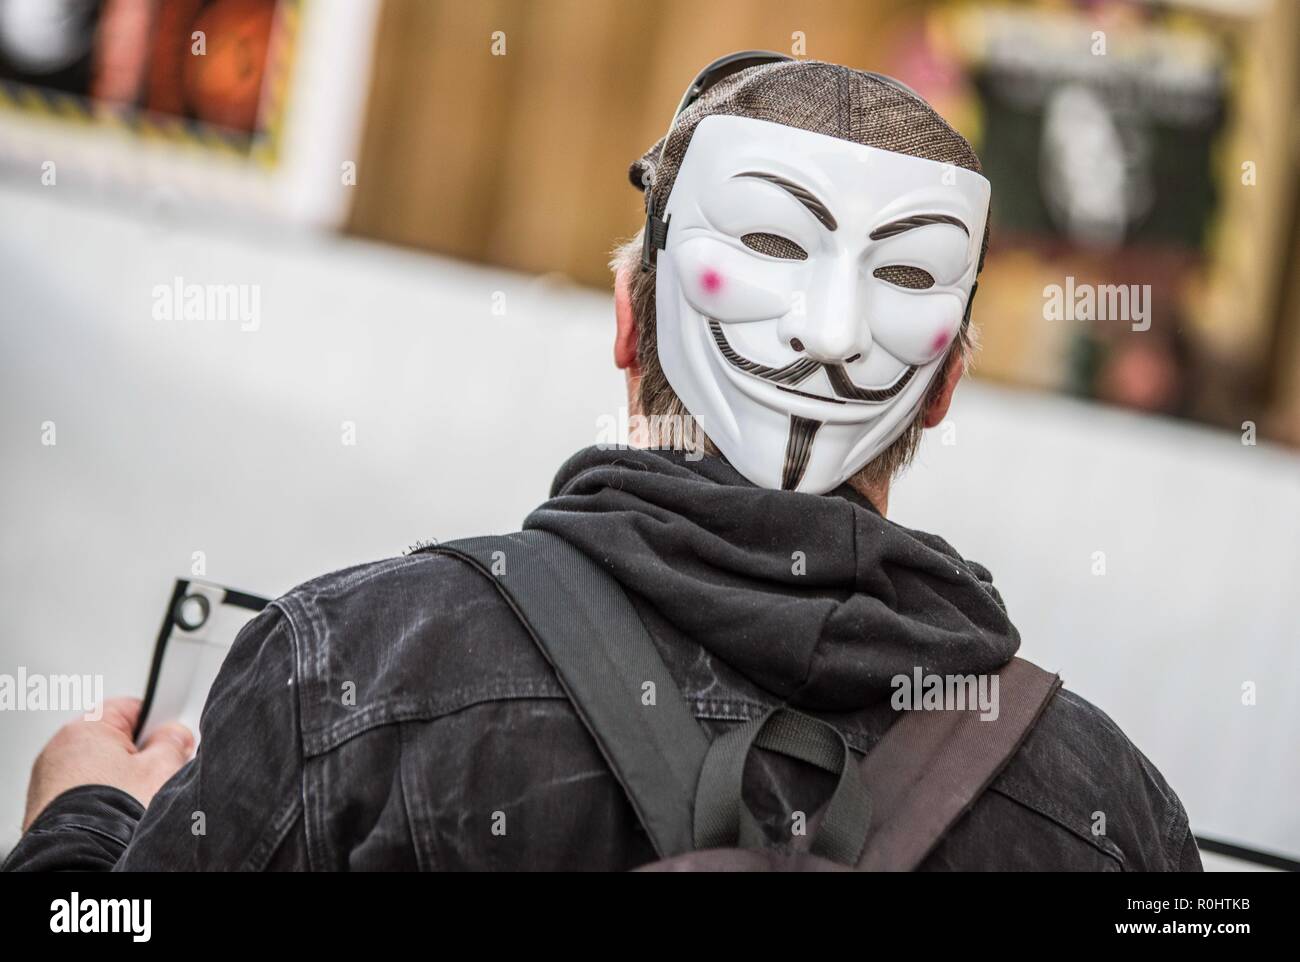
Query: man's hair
[[823, 98], [656, 397]]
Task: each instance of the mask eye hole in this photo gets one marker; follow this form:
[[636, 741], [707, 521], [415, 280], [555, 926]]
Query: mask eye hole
[[774, 245], [902, 275]]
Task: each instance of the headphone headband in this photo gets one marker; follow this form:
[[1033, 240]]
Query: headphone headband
[[656, 229]]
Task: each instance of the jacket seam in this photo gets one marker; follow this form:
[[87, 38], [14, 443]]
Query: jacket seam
[[62, 828], [273, 839], [423, 860], [743, 710], [390, 712], [1103, 845], [286, 606]]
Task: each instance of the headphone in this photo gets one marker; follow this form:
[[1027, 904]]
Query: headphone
[[655, 236], [656, 229]]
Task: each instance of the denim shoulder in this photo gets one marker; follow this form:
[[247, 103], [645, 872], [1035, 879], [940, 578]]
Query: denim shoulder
[[1080, 770], [404, 639]]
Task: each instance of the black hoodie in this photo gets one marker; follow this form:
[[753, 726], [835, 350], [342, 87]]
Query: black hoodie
[[458, 749], [818, 601]]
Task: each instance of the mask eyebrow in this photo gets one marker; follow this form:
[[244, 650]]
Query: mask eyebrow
[[802, 194], [896, 227]]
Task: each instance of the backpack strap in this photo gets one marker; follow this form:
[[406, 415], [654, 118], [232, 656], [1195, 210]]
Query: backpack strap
[[723, 819], [931, 766], [589, 632]]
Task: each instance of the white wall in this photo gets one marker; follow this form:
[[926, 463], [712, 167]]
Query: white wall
[[183, 436]]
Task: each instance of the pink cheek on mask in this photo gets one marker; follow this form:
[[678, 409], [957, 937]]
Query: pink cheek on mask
[[939, 342], [710, 281]]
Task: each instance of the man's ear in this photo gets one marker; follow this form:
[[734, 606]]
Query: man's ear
[[625, 332], [937, 409]]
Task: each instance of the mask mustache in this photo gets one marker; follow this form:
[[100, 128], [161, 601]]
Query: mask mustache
[[798, 371]]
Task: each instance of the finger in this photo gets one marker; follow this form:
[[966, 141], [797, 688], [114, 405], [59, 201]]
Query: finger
[[171, 745], [121, 714]]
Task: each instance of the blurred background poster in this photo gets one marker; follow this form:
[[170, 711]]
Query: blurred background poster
[[184, 101], [148, 65], [420, 196], [1121, 132]]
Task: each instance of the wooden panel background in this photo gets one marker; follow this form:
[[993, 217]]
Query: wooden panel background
[[521, 160]]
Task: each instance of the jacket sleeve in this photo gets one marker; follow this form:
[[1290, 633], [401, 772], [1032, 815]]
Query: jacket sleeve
[[1180, 850], [85, 829], [1183, 853], [1189, 858], [240, 797], [231, 807]]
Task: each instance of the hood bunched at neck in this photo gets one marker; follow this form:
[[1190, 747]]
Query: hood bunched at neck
[[817, 599]]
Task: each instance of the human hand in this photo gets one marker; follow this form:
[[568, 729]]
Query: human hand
[[102, 752]]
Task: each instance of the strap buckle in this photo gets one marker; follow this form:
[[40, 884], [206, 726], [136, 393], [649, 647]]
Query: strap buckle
[[655, 235]]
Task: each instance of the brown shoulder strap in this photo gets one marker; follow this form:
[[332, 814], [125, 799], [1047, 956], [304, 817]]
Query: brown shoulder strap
[[931, 766]]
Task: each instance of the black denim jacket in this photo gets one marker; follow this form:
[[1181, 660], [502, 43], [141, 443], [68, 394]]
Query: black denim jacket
[[396, 715]]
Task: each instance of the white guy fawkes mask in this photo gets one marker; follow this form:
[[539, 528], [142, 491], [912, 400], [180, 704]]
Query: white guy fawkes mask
[[804, 358]]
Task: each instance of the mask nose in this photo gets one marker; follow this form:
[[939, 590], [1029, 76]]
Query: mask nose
[[824, 356], [831, 329]]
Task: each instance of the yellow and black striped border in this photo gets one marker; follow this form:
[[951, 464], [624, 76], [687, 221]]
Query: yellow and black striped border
[[261, 148]]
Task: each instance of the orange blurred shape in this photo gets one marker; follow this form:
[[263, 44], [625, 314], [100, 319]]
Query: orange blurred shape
[[171, 48], [224, 86]]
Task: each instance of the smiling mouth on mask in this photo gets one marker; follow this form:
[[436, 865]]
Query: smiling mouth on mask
[[799, 371]]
